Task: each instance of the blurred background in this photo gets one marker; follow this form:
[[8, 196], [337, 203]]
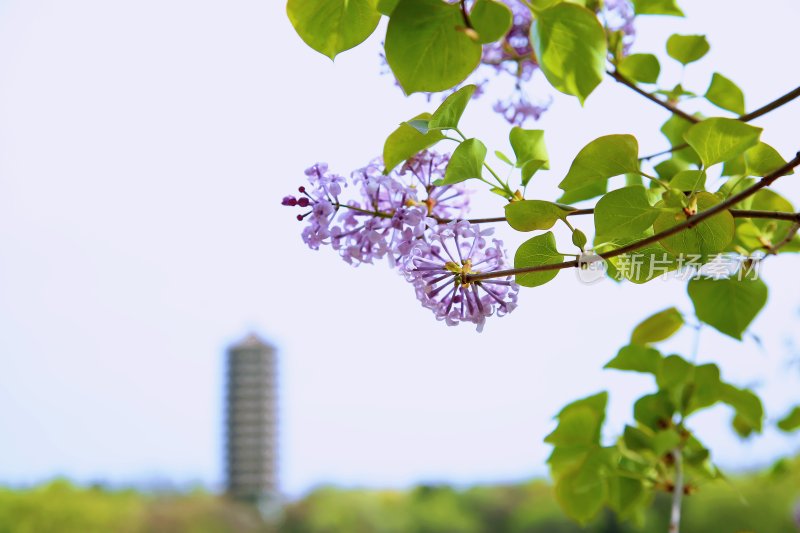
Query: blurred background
[[144, 150]]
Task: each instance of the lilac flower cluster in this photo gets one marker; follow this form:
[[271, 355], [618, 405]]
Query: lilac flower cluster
[[513, 56], [619, 15], [440, 269], [405, 218]]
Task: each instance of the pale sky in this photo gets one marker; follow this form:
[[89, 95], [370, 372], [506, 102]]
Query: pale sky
[[144, 149]]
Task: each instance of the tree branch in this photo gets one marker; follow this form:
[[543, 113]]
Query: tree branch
[[737, 213], [747, 117], [689, 223], [666, 105], [677, 492], [775, 104]]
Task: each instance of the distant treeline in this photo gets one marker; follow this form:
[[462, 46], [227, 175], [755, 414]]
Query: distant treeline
[[764, 502]]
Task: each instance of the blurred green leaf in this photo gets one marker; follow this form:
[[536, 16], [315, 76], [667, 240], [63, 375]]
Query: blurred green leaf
[[687, 48], [657, 327]]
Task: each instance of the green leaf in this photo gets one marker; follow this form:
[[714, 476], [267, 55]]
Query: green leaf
[[689, 180], [624, 212], [333, 26], [674, 371], [579, 238], [728, 305], [581, 494], [637, 439], [490, 19], [387, 6], [773, 231], [603, 158], [580, 422], [419, 124], [654, 410], [725, 94], [574, 415], [528, 145], [763, 159], [586, 192], [503, 157], [709, 236], [530, 215], [668, 168], [570, 45], [790, 422], [706, 388], [719, 139], [465, 163], [537, 251], [674, 129], [747, 406], [657, 7], [426, 46], [643, 68], [676, 94], [687, 48], [449, 112], [657, 327], [625, 495], [636, 358], [665, 441], [530, 168], [406, 141]]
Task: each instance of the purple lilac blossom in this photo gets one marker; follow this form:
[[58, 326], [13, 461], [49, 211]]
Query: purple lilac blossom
[[322, 197], [513, 55], [441, 202], [375, 229], [619, 16], [438, 272], [385, 221], [517, 110]]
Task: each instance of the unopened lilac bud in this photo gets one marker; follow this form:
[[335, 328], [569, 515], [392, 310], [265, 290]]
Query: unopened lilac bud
[[303, 202], [289, 200]]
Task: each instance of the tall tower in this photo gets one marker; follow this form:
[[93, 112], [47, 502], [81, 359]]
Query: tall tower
[[251, 442]]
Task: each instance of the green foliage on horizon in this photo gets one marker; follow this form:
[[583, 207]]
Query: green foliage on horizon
[[529, 507]]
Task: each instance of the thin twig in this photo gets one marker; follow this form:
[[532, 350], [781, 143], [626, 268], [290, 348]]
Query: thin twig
[[775, 104], [786, 240], [467, 22], [666, 105]]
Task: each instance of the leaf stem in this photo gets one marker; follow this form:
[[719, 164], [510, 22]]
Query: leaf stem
[[654, 180]]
